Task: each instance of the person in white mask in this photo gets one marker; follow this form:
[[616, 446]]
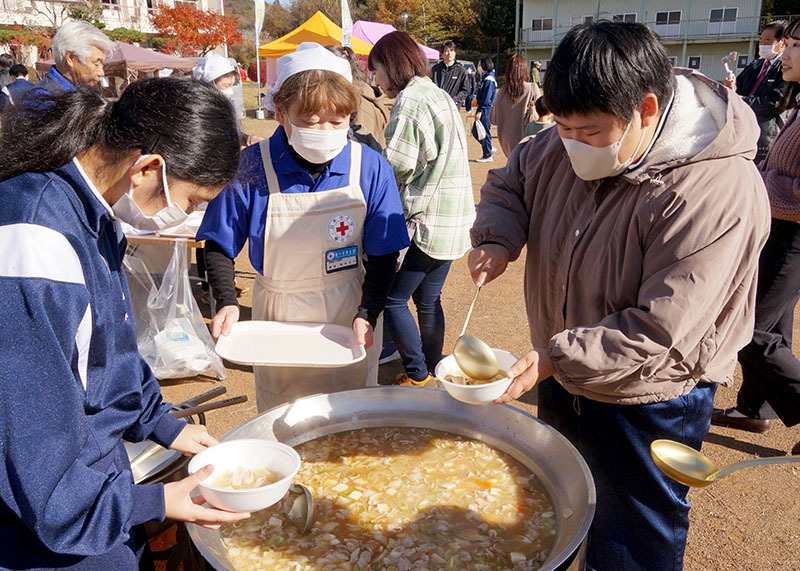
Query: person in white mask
[[324, 223], [73, 382], [642, 215], [221, 73], [762, 86]]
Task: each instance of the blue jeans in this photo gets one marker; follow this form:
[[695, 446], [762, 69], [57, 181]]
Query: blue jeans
[[420, 278], [642, 516], [486, 143]]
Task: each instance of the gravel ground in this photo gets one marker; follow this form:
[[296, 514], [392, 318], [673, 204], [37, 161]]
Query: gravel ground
[[749, 521]]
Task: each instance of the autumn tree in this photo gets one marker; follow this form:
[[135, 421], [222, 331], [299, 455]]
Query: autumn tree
[[190, 32]]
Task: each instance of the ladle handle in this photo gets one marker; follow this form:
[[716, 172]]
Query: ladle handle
[[746, 463], [469, 313]]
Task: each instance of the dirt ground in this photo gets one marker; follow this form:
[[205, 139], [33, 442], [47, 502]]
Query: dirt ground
[[748, 521]]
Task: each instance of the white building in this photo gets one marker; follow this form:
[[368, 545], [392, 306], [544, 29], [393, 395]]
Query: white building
[[696, 33], [131, 14]]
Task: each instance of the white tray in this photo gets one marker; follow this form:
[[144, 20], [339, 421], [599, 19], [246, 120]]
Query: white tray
[[290, 344]]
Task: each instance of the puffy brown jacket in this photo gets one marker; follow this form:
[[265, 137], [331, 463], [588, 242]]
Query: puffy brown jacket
[[643, 284]]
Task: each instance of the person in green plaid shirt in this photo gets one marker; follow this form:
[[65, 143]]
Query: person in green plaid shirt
[[427, 148]]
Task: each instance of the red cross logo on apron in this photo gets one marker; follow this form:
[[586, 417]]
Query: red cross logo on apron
[[340, 228]]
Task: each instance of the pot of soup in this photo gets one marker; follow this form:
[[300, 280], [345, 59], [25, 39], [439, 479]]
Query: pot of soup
[[409, 478]]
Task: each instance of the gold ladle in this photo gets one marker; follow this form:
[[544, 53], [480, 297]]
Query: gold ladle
[[693, 468], [473, 356]]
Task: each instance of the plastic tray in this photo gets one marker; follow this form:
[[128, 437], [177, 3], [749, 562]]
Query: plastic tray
[[290, 344]]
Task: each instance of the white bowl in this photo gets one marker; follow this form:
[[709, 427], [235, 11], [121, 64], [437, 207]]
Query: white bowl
[[251, 453], [475, 394]]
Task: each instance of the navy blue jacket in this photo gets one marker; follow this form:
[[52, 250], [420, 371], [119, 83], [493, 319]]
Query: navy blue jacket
[[72, 383], [19, 89], [487, 91]]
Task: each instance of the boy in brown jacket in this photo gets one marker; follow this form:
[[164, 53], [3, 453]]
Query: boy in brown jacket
[[643, 216]]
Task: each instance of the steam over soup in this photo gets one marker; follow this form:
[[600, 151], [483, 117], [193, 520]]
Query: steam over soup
[[402, 499]]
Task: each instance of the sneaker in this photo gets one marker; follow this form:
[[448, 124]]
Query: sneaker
[[485, 160], [494, 150], [389, 353], [406, 381]]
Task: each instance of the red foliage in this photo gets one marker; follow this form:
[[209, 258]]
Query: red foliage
[[190, 32]]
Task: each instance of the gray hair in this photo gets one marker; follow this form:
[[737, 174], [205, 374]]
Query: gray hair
[[79, 38]]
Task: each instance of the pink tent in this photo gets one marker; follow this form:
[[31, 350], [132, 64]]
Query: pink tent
[[371, 32]]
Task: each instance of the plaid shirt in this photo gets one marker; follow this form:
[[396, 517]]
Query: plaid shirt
[[436, 190]]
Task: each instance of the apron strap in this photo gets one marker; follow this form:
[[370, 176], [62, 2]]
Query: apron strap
[[272, 179], [355, 164]]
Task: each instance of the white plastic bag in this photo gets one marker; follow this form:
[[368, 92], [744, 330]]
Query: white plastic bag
[[170, 331], [478, 130]]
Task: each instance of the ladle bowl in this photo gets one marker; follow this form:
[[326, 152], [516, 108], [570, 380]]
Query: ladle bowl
[[691, 467], [475, 358]]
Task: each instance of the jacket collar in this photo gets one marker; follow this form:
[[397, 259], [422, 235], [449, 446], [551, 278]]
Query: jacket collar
[[98, 212], [62, 81]]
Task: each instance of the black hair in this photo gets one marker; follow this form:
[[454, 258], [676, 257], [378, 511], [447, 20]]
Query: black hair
[[6, 61], [448, 45], [778, 28], [486, 63], [18, 70], [189, 123], [607, 67], [792, 92], [541, 108]]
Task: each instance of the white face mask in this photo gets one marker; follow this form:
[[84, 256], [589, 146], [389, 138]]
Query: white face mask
[[318, 146], [127, 210], [768, 51], [593, 163], [227, 92]]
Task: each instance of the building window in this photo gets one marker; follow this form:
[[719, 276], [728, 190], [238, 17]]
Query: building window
[[673, 60], [578, 20], [722, 21], [668, 24], [111, 2], [629, 18], [541, 30], [741, 63], [695, 62]]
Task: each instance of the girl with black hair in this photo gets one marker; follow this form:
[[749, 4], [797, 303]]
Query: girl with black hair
[[72, 382], [487, 90]]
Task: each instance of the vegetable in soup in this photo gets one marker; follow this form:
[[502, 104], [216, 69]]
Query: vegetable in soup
[[244, 478], [402, 499]]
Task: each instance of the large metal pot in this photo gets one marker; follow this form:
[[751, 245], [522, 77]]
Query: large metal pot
[[538, 447]]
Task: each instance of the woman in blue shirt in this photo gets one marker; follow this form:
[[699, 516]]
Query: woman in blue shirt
[[486, 94], [72, 383], [312, 204]]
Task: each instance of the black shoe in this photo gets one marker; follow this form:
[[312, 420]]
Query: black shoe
[[722, 417], [796, 449]]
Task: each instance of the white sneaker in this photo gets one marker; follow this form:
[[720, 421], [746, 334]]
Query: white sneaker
[[485, 160], [494, 150]]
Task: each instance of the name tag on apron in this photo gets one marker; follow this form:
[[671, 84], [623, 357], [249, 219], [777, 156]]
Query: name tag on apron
[[341, 259]]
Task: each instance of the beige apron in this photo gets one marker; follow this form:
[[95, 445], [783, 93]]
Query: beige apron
[[313, 271]]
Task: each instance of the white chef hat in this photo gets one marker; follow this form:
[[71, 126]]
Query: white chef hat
[[307, 56], [214, 67]]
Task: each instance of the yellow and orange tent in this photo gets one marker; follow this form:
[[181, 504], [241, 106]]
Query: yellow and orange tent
[[318, 28]]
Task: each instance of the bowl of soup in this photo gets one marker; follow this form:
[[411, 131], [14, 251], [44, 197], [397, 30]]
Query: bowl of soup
[[249, 474], [474, 391]]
